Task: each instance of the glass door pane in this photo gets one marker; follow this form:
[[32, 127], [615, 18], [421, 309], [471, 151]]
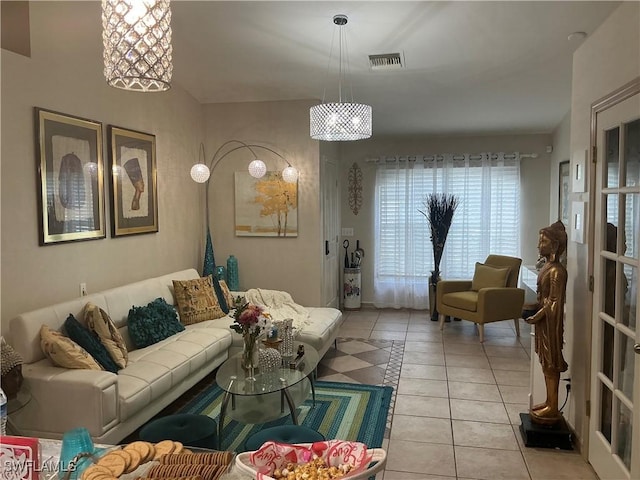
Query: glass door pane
[[615, 368], [631, 153]]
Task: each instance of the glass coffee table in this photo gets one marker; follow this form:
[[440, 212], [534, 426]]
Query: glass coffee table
[[262, 399]]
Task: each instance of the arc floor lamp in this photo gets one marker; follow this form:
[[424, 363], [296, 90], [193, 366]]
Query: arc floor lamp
[[201, 173]]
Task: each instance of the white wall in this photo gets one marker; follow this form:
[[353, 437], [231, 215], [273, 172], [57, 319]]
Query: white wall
[[535, 197], [65, 74], [561, 137], [607, 60], [290, 264]]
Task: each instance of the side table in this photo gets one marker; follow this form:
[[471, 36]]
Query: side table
[[15, 404]]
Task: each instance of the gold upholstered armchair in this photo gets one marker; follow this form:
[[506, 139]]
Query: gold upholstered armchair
[[491, 296]]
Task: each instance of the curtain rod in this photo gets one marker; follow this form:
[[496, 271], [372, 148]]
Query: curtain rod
[[456, 156]]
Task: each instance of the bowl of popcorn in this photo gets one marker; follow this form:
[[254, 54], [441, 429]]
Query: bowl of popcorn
[[328, 460]]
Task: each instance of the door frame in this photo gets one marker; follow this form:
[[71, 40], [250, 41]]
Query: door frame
[[617, 96]]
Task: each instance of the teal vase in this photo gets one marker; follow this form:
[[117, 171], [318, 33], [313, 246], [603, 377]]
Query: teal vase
[[232, 273], [221, 273]]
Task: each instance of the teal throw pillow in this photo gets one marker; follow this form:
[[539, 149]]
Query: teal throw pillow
[[152, 323], [222, 300], [90, 342]]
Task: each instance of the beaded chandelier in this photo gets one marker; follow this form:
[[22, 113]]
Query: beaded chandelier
[[136, 35], [340, 121]]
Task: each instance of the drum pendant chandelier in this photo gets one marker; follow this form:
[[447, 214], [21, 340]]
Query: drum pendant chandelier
[[136, 35], [340, 121]]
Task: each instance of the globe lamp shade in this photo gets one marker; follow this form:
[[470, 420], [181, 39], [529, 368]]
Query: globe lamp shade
[[200, 173]]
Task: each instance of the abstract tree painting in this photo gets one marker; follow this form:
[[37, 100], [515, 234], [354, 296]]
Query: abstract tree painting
[[266, 207]]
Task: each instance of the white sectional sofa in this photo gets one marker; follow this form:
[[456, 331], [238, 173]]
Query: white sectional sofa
[[112, 406]]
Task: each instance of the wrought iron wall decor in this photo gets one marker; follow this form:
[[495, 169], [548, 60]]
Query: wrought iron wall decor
[[355, 188]]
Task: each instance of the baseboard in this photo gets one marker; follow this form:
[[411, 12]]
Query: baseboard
[[371, 306]]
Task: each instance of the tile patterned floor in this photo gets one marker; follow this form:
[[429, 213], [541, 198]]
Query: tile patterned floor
[[454, 412], [374, 362]]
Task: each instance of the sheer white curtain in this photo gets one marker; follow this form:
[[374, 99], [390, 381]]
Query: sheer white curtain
[[487, 220]]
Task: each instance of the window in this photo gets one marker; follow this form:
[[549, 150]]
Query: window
[[487, 220]]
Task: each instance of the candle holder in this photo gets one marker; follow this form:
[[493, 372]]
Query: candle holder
[[272, 343]]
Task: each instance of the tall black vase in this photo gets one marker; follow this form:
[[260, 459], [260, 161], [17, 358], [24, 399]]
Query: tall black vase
[[433, 288]]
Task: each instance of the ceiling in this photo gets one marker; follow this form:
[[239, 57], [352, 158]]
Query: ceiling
[[471, 67]]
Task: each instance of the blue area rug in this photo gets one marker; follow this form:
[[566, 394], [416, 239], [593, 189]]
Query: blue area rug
[[344, 411]]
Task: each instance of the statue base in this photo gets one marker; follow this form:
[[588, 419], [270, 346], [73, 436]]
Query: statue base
[[541, 436]]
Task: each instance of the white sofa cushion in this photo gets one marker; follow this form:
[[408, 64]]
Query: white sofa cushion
[[194, 352], [158, 377], [214, 341], [323, 328]]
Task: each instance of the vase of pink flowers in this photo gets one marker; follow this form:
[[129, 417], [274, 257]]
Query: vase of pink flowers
[[251, 321]]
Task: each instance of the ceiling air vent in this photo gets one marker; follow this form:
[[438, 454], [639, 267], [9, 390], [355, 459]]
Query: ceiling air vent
[[386, 61]]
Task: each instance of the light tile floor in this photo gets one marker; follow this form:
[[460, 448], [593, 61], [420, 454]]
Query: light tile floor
[[454, 414]]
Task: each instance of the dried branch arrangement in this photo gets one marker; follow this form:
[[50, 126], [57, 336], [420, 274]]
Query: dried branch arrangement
[[438, 210]]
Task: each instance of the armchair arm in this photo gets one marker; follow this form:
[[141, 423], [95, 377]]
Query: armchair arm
[[65, 398], [500, 303], [450, 286]]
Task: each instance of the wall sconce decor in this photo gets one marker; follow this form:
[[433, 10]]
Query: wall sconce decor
[[355, 188]]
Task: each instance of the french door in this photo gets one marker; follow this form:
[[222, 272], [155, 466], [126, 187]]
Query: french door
[[330, 202], [614, 425]]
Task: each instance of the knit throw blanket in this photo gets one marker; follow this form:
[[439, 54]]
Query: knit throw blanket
[[279, 305]]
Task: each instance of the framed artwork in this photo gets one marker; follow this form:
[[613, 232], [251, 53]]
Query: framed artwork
[[564, 187], [265, 207], [70, 173], [134, 193]]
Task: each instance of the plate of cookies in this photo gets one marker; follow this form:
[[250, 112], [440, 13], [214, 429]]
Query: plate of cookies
[[165, 460], [327, 460]]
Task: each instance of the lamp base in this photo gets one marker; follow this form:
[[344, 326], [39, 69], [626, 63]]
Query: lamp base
[[539, 436]]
